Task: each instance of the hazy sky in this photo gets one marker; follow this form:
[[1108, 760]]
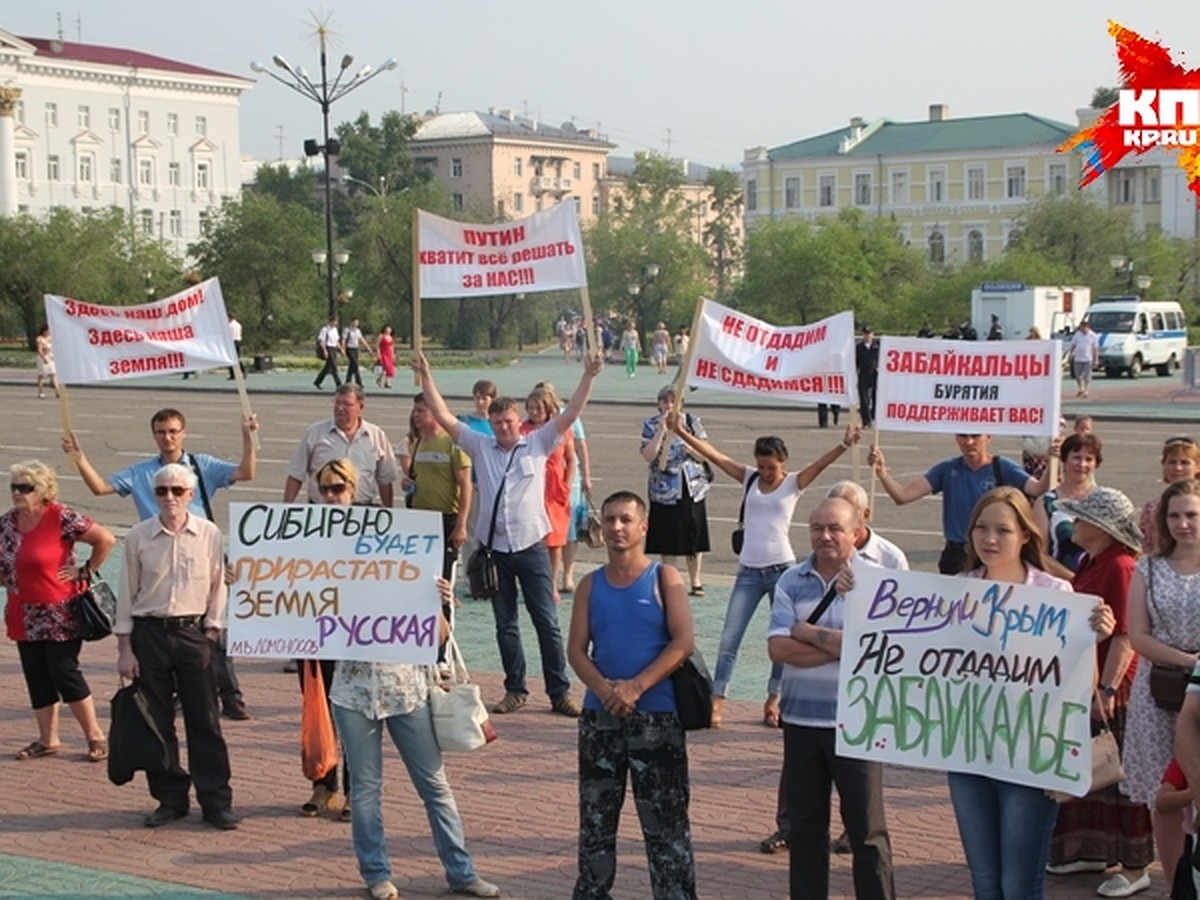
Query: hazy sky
[[701, 79]]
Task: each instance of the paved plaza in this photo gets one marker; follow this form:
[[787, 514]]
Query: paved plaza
[[70, 833]]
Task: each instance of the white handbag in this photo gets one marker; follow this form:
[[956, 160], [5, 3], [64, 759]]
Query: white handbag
[[460, 718]]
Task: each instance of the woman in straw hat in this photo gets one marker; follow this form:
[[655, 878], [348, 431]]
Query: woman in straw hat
[[1106, 828]]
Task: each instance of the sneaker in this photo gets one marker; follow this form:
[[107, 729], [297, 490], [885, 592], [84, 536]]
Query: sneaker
[[776, 843], [478, 888], [384, 890], [511, 703], [566, 706]]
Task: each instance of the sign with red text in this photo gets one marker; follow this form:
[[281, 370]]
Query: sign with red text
[[543, 252], [1158, 106], [967, 675], [185, 332], [739, 354], [969, 387], [324, 581]]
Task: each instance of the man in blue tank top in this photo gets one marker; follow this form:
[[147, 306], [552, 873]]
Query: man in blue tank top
[[631, 627]]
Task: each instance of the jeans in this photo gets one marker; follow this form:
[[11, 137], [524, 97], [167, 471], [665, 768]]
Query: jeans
[[531, 567], [1005, 830], [750, 586], [412, 733]]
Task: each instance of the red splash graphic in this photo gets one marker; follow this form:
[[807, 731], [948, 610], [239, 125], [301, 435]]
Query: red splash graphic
[[1145, 65]]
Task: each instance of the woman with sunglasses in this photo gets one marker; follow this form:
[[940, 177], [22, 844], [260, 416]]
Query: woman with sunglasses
[[41, 574], [770, 494], [369, 698], [1180, 462]]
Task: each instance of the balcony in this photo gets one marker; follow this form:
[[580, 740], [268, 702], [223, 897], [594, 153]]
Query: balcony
[[543, 183]]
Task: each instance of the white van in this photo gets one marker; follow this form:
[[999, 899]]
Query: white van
[[1136, 334]]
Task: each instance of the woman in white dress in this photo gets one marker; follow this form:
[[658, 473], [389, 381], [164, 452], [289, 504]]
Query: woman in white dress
[[45, 362]]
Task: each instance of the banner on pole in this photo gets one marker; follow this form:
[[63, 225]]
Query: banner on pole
[[184, 332], [967, 675], [739, 354], [542, 252], [322, 581], [969, 387]]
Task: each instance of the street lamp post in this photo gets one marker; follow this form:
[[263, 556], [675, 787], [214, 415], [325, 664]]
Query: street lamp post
[[324, 94], [1123, 265], [638, 288]]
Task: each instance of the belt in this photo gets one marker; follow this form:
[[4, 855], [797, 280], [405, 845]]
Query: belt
[[169, 623], [957, 545]]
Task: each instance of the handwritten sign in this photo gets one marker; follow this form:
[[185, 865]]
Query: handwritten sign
[[969, 387], [968, 675], [321, 581], [186, 331], [542, 252], [737, 353]]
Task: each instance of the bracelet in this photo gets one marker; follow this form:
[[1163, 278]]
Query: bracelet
[[846, 446]]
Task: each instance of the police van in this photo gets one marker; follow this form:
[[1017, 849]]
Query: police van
[[1136, 334]]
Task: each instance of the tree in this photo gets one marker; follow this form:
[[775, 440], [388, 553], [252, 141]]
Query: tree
[[260, 249], [300, 187], [1104, 97], [1077, 233], [379, 154], [721, 234]]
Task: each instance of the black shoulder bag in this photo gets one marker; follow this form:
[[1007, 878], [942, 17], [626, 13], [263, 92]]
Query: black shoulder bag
[[738, 537], [483, 581], [693, 685]]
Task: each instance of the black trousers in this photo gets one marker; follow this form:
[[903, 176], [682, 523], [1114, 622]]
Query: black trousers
[[179, 661], [330, 368], [352, 372], [867, 382]]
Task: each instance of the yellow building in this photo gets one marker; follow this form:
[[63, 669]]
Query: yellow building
[[952, 186]]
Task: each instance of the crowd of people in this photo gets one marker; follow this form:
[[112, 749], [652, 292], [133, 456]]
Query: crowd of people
[[515, 476]]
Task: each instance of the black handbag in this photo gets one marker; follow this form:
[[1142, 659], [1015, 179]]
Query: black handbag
[[95, 610], [1168, 684], [483, 580], [693, 685], [737, 537], [134, 741]]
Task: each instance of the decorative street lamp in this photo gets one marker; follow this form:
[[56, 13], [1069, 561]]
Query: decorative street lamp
[[324, 95], [1123, 265]]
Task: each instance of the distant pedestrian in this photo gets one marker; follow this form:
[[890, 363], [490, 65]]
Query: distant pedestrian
[[354, 342], [1085, 356], [995, 330], [631, 346], [45, 362], [235, 335], [866, 362], [329, 343]]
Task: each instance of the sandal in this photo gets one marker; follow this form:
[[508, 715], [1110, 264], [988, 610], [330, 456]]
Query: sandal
[[36, 750], [697, 590], [567, 589], [97, 750]]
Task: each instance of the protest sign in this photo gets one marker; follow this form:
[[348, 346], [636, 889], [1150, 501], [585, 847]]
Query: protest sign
[[334, 582], [968, 675], [736, 353], [542, 252], [969, 387], [184, 332]]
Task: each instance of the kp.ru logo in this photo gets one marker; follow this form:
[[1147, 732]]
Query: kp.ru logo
[[1158, 106]]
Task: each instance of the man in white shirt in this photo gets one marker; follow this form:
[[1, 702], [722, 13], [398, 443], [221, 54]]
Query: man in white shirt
[[329, 342], [1085, 356], [353, 339]]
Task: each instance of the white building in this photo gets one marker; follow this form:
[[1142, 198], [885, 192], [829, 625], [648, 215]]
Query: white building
[[85, 127]]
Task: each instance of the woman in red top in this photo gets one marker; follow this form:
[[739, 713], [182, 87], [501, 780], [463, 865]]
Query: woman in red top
[[541, 406], [385, 346], [39, 571], [1106, 828]]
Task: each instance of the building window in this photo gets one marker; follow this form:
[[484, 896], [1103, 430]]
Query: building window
[[937, 186], [143, 121], [146, 220], [114, 119], [456, 168], [53, 170], [518, 166], [21, 158], [595, 204], [172, 124], [791, 192], [86, 169], [174, 179], [456, 201], [202, 176], [202, 126], [146, 172], [826, 186], [595, 171], [862, 188], [83, 117], [975, 183], [51, 115], [578, 170], [19, 112], [974, 245], [1057, 179], [176, 220], [518, 202], [751, 195], [578, 201], [1014, 182], [899, 186], [114, 170], [937, 247], [1153, 188]]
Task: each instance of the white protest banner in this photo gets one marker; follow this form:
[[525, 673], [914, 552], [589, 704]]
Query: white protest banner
[[969, 387], [321, 581], [542, 252], [738, 354], [186, 331], [967, 675]]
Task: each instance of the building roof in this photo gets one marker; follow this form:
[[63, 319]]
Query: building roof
[[443, 126], [890, 138], [693, 172], [116, 56]]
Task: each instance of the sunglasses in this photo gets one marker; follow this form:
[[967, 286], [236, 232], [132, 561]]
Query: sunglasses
[[176, 490], [1180, 439], [339, 488], [22, 488]]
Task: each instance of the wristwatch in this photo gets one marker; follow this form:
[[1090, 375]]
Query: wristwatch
[[1108, 690]]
